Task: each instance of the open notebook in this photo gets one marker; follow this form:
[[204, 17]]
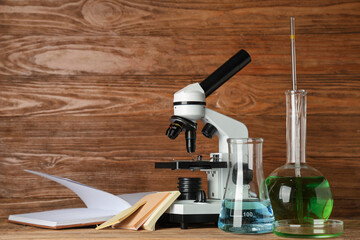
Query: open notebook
[[100, 206]]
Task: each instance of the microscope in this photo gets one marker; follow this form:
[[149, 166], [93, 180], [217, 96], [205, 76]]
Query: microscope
[[189, 106]]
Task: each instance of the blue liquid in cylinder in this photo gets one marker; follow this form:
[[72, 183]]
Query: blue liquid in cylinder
[[251, 217]]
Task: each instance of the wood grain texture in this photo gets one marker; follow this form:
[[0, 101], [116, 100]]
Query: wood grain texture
[[86, 90], [177, 18], [177, 55], [13, 231], [112, 96], [75, 138]]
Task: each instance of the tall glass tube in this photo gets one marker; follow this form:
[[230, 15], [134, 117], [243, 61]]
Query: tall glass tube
[[296, 128]]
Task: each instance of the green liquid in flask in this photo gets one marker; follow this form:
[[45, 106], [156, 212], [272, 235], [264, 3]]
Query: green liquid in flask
[[302, 198]]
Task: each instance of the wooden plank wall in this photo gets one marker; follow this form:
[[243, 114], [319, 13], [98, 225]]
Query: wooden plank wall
[[87, 85]]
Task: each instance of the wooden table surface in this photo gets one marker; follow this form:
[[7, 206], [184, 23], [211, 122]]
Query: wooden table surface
[[14, 231]]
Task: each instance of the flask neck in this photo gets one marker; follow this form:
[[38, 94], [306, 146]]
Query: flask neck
[[295, 126]]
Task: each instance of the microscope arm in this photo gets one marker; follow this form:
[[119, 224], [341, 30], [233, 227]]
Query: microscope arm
[[226, 128]]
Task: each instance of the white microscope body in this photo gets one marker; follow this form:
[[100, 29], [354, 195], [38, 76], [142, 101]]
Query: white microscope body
[[189, 107], [226, 127]]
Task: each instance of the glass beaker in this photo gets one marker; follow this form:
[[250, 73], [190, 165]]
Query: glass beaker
[[246, 207], [297, 190]]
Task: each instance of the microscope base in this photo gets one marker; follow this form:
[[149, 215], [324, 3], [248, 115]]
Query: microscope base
[[185, 220], [188, 211]]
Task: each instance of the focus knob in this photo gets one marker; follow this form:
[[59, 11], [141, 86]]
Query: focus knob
[[209, 130]]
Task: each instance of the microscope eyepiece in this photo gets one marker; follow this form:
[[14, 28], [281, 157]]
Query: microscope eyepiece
[[225, 72]]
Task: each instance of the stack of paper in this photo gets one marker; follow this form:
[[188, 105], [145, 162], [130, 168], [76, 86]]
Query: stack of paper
[[144, 213], [142, 208]]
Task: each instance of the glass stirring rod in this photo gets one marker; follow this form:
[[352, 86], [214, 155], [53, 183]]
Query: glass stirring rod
[[295, 123], [293, 55], [295, 128]]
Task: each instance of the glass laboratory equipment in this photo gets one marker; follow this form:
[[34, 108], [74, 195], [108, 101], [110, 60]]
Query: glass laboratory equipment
[[246, 207], [297, 190], [300, 195]]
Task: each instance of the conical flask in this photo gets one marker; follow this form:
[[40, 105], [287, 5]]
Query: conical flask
[[246, 207], [297, 190]]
